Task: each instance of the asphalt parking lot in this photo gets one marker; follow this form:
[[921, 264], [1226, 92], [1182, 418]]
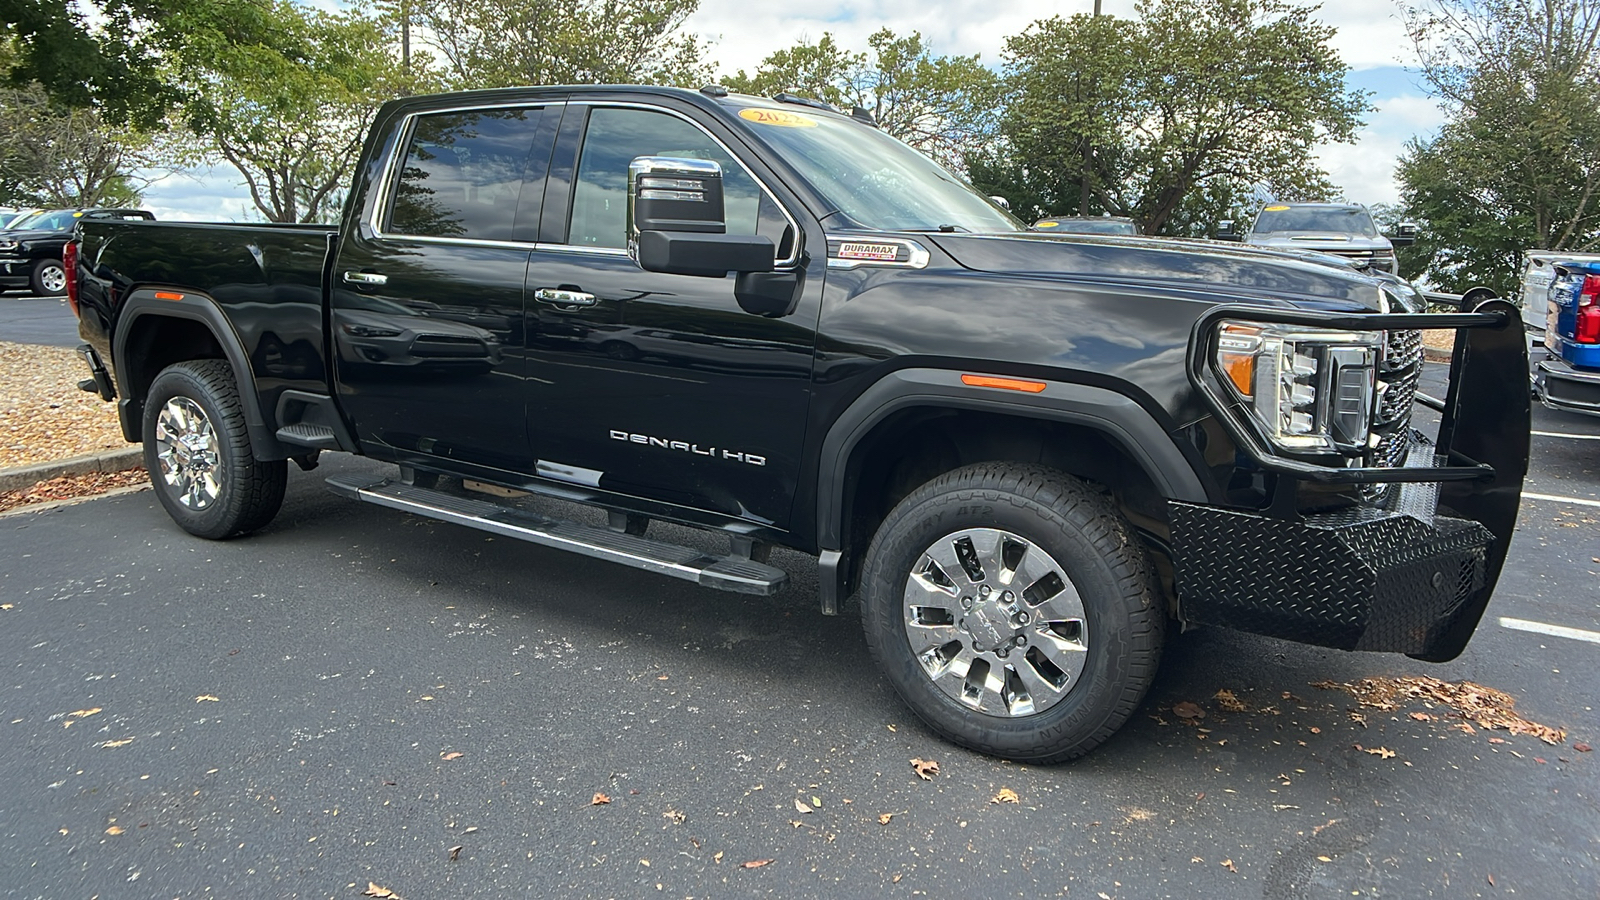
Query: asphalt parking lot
[[348, 696]]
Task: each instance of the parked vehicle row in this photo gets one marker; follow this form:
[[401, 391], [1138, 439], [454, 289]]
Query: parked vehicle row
[[32, 242]]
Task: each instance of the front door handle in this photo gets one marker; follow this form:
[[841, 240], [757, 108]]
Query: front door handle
[[365, 278], [564, 298]]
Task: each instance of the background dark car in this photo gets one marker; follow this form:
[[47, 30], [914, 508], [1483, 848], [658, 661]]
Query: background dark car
[[1086, 225], [30, 249]]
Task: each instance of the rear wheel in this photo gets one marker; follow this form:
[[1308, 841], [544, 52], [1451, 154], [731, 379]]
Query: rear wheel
[[1013, 610], [49, 279], [197, 451]]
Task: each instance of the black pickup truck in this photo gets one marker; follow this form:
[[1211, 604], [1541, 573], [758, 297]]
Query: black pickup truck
[[30, 250], [1023, 454]]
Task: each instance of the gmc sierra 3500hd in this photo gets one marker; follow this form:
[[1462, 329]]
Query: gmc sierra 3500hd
[[1023, 453]]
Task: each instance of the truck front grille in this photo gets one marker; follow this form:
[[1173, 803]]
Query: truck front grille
[[1398, 373]]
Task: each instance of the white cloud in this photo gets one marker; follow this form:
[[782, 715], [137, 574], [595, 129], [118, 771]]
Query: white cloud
[[1365, 170]]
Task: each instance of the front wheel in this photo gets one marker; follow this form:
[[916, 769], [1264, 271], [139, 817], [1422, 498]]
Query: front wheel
[[197, 451], [49, 279], [1013, 610]]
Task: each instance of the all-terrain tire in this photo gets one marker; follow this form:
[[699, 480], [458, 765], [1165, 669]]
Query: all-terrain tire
[[1096, 553], [199, 400]]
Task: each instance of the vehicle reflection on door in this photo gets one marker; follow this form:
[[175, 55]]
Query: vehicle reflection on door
[[382, 339]]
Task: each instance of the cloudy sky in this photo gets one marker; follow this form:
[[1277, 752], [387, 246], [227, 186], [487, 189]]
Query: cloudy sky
[[1370, 38]]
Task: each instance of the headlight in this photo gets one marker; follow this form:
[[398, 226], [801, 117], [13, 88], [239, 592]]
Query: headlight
[[1310, 390]]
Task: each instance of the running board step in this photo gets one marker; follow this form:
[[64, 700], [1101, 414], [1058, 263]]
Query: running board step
[[725, 573], [303, 434]]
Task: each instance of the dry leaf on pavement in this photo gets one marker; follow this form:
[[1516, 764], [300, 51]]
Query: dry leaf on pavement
[[207, 698], [599, 799], [1582, 748], [1187, 710], [755, 863], [373, 890], [1227, 701], [1380, 752], [115, 829], [455, 853], [122, 743], [453, 754], [1228, 864], [1006, 795], [801, 807], [926, 768]]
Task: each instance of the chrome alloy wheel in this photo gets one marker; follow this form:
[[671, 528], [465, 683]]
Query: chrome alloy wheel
[[186, 445], [53, 278], [995, 622]]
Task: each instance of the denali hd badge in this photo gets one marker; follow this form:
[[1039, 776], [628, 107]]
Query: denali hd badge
[[696, 449]]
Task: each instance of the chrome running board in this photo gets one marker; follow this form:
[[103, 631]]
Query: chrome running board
[[724, 573]]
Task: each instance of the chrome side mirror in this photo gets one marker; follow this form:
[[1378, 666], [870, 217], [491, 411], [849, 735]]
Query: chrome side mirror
[[668, 193]]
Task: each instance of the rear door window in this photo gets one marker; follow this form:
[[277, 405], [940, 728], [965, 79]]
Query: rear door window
[[461, 176]]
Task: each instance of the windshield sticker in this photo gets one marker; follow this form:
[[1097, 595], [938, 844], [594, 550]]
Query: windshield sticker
[[875, 252], [777, 117], [1274, 209], [77, 215], [1048, 225]]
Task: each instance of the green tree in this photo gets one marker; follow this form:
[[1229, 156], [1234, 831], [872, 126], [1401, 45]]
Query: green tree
[[1516, 165], [1173, 118], [505, 43], [290, 114], [61, 157], [944, 106], [120, 57]]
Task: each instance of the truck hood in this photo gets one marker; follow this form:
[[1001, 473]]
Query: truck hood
[[1318, 240], [1250, 274], [20, 236]]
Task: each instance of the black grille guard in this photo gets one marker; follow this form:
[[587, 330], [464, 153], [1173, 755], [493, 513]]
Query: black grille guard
[[1483, 441]]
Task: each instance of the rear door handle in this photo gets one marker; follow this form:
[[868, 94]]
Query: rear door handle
[[560, 297], [366, 278]]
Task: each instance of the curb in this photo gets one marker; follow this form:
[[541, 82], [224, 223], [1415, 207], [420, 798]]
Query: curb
[[1432, 355], [24, 477]]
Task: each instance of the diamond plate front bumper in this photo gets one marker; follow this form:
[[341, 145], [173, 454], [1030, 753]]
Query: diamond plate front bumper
[[1411, 576]]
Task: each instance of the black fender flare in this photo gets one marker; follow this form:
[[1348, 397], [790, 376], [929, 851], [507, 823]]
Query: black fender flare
[[1119, 417], [195, 307]]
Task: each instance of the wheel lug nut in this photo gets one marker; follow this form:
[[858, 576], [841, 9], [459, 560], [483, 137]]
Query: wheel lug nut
[[1022, 618], [1008, 596], [983, 590], [1021, 640], [966, 602]]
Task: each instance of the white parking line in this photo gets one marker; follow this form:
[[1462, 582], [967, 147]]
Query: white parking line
[[1577, 634], [1556, 498], [1575, 437]]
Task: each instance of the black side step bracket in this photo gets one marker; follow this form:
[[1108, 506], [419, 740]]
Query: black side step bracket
[[725, 573]]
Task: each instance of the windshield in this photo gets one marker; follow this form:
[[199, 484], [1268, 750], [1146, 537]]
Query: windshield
[[1090, 226], [1331, 219], [49, 220], [873, 180]]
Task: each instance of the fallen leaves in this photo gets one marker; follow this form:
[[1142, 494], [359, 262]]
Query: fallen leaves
[[801, 807], [756, 863], [1006, 795], [455, 853], [77, 714], [115, 829], [1191, 712], [926, 768], [69, 487], [1380, 752], [122, 743], [382, 893], [675, 816], [883, 818], [1582, 748], [599, 799], [453, 754], [208, 698], [1487, 707], [1228, 864], [1227, 701]]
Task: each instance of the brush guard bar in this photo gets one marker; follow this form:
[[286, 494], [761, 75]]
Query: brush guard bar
[[1413, 575]]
